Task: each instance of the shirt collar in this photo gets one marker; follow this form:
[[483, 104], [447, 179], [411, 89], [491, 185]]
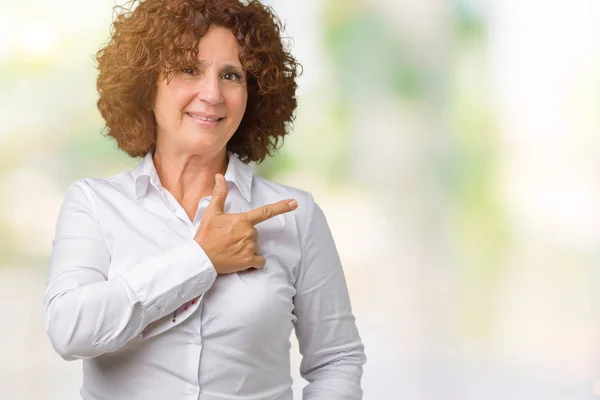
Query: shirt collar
[[237, 173]]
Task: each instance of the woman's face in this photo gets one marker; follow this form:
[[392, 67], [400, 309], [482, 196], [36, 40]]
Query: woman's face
[[199, 109]]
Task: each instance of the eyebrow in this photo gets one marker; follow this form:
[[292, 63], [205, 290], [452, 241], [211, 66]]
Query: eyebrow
[[236, 67]]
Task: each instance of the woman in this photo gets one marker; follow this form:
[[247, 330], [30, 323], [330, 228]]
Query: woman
[[185, 277]]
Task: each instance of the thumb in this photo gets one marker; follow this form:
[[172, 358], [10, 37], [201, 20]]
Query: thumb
[[217, 203]]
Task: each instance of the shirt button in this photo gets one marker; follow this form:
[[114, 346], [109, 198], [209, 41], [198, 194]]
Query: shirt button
[[196, 340], [193, 390]]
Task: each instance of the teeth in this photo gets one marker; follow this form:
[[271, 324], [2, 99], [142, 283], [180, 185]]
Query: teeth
[[204, 118]]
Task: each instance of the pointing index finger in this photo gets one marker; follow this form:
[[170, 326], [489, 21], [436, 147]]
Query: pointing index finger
[[263, 213]]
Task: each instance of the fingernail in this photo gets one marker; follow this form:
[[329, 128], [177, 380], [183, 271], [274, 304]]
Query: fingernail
[[293, 204], [217, 180]]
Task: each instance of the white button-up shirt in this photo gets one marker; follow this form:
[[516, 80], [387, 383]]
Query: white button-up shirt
[[134, 295]]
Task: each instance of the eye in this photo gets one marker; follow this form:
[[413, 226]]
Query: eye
[[231, 76], [190, 71]]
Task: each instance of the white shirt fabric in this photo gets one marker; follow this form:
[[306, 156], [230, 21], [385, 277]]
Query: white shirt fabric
[[133, 295]]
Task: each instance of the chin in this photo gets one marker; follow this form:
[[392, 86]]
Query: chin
[[204, 146]]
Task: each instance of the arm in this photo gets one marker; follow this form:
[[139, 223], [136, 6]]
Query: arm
[[87, 314], [332, 352]]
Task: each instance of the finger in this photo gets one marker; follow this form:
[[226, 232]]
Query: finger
[[217, 203], [263, 213], [256, 248], [255, 234]]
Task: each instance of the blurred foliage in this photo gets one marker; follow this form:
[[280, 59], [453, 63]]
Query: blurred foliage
[[478, 223], [369, 57], [357, 41]]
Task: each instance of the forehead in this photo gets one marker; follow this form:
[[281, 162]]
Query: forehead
[[219, 43]]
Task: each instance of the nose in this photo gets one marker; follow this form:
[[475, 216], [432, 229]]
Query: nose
[[209, 89]]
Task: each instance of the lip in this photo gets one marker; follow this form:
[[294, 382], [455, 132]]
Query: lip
[[196, 117]]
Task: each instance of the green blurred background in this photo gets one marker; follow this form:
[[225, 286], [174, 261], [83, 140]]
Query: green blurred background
[[454, 146]]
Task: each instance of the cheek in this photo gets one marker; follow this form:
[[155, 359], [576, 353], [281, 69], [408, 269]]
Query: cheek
[[239, 104], [180, 99], [173, 99]]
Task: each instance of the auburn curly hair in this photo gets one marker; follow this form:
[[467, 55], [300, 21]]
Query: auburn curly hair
[[152, 38]]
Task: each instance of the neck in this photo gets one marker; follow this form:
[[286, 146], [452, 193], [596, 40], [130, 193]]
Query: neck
[[189, 177]]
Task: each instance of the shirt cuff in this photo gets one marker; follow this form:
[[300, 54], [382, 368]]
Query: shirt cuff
[[163, 283]]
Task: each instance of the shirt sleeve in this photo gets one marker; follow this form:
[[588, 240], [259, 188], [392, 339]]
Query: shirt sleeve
[[332, 351], [86, 312]]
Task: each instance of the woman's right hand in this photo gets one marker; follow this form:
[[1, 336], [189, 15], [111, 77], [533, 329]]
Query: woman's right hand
[[230, 240]]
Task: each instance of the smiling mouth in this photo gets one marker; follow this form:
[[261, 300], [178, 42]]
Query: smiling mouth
[[205, 121], [203, 118]]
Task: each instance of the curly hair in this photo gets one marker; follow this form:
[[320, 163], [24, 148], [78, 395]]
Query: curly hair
[[152, 38]]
